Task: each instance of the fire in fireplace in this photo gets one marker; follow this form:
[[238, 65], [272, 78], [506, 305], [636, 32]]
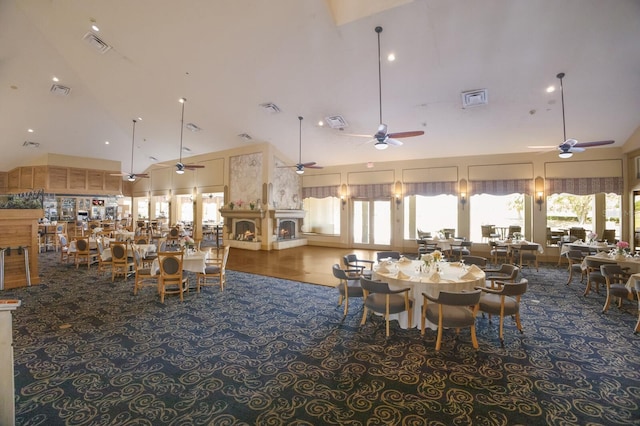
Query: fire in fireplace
[[245, 230], [287, 229]]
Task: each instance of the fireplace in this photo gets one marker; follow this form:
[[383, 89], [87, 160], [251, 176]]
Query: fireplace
[[287, 229], [244, 230]]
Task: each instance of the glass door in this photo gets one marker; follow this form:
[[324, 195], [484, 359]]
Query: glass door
[[371, 223]]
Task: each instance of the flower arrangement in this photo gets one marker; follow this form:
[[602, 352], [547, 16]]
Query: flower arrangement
[[239, 203], [437, 255], [592, 236], [252, 205], [187, 241], [622, 247], [231, 205], [428, 259]]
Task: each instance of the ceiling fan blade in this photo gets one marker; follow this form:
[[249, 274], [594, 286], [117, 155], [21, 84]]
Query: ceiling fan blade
[[393, 142], [596, 143], [575, 149], [355, 135], [141, 175], [309, 164], [193, 166], [120, 174], [314, 167], [400, 135]]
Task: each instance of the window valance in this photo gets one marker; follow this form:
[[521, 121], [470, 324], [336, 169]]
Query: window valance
[[585, 186], [371, 190], [321, 191], [502, 187], [430, 188]]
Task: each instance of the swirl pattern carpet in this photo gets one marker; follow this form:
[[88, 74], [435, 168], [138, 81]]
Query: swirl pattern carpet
[[268, 351]]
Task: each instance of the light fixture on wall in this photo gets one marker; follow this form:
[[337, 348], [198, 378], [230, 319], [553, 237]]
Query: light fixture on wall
[[343, 195], [398, 193], [539, 187], [462, 191]]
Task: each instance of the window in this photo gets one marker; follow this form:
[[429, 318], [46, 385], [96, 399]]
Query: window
[[322, 215], [502, 211], [211, 205], [565, 211], [143, 208], [613, 214], [432, 214], [185, 209]]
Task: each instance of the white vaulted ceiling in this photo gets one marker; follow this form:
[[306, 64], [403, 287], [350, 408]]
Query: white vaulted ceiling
[[314, 58]]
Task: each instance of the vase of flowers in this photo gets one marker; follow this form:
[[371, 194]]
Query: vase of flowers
[[231, 205], [187, 243], [592, 236], [428, 261], [621, 250], [252, 205]]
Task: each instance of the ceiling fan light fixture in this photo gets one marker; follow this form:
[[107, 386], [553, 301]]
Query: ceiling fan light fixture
[[131, 178], [381, 145], [180, 171], [300, 171], [565, 154]]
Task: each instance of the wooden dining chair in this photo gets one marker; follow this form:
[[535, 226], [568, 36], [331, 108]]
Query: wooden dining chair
[[348, 285], [351, 261], [121, 263], [103, 260], [615, 282], [451, 310], [378, 297], [172, 280], [215, 273], [504, 301], [84, 254], [387, 254], [144, 277]]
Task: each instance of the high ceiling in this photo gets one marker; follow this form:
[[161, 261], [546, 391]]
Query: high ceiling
[[229, 56]]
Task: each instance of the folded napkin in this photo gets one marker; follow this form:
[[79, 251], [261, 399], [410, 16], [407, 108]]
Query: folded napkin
[[468, 276], [387, 263], [474, 269], [402, 276], [404, 260], [435, 277], [382, 269], [455, 264], [603, 254]]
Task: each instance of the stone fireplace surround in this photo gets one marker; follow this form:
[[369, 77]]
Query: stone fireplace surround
[[269, 225]]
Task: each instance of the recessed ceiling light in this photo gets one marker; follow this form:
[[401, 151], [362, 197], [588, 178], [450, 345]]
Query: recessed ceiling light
[[106, 142], [56, 79], [30, 130], [139, 118], [95, 28], [391, 57], [320, 123], [551, 89]]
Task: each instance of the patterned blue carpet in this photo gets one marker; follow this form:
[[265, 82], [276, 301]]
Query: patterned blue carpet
[[268, 351]]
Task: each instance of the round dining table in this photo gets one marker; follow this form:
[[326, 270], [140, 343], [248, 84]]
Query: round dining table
[[453, 277]]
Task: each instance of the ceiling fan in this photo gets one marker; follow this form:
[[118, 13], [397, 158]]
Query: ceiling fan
[[131, 177], [569, 146], [382, 137], [301, 166], [180, 166]]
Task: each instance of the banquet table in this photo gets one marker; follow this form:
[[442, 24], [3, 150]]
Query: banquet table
[[93, 245], [515, 245], [453, 277], [192, 262], [631, 262], [597, 246], [443, 244], [142, 249], [124, 235]]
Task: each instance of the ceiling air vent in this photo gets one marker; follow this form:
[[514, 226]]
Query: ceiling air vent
[[59, 89], [29, 144], [336, 122], [473, 98], [192, 127], [95, 42], [245, 136], [270, 107]]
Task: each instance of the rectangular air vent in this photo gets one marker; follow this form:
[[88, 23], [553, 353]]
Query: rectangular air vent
[[192, 127], [473, 98], [59, 89], [95, 42], [336, 122], [29, 144], [270, 107], [245, 136]]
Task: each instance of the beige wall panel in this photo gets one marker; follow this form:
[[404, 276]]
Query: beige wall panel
[[212, 174], [4, 181], [363, 178], [184, 183], [78, 179], [579, 169], [95, 180], [58, 177], [430, 174], [501, 171], [26, 177], [331, 179], [113, 184], [14, 179], [161, 178], [40, 177]]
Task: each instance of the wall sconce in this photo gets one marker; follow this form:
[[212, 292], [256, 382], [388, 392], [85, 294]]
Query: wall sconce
[[343, 200], [398, 199], [462, 190], [398, 193], [343, 195], [540, 200], [539, 186]]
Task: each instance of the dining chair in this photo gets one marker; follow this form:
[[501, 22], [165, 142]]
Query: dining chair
[[506, 272], [84, 253], [143, 276], [594, 275], [121, 263], [351, 261], [615, 282], [498, 252], [103, 261], [349, 285], [503, 301], [479, 261], [609, 235], [460, 248], [637, 288], [451, 310], [387, 254], [513, 229], [65, 253], [174, 236], [527, 254], [172, 280], [575, 258], [378, 297], [142, 239], [215, 270]]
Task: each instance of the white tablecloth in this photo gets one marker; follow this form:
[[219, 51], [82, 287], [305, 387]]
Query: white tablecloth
[[93, 244], [453, 277], [577, 246], [196, 262], [142, 249], [512, 245], [633, 263], [124, 235]]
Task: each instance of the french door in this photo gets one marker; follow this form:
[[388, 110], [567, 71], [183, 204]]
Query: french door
[[371, 223]]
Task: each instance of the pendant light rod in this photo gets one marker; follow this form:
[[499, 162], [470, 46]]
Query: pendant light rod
[[564, 127], [133, 138], [182, 101], [379, 30], [300, 118]]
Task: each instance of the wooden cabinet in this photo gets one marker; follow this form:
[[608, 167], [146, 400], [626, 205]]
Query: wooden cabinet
[[62, 180], [19, 228]]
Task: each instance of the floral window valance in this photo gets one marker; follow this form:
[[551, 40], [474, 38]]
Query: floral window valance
[[430, 188], [321, 192], [371, 190], [585, 186], [502, 187]]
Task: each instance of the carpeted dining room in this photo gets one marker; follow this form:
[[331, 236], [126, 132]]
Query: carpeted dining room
[[275, 351]]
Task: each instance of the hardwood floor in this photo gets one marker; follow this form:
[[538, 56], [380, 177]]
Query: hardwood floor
[[308, 264]]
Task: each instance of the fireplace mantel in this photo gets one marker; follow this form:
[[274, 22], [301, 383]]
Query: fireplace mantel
[[287, 214], [242, 214]]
